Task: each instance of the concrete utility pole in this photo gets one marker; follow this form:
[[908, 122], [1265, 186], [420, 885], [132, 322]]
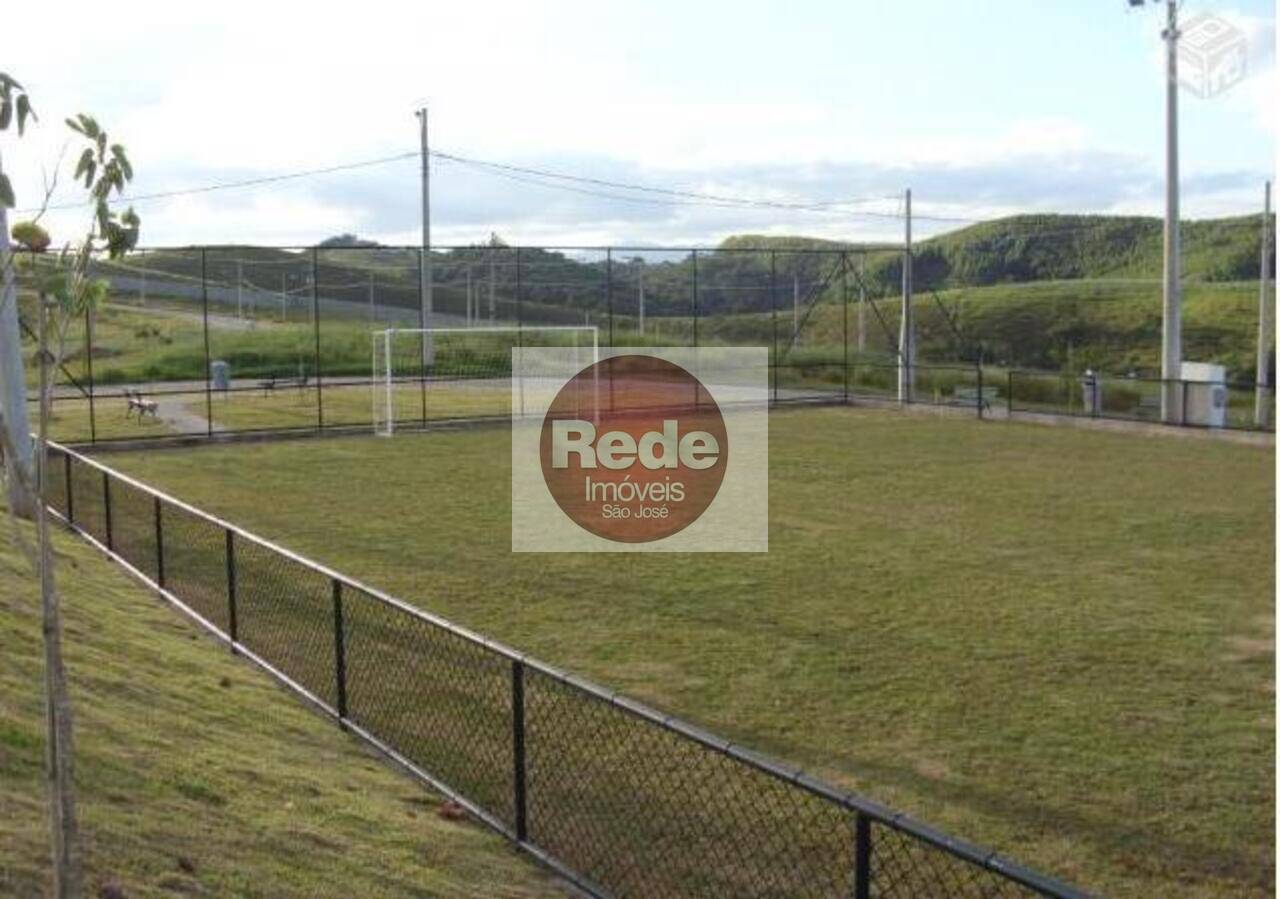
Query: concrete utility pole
[[13, 391], [906, 335], [424, 257], [1266, 324], [1171, 355]]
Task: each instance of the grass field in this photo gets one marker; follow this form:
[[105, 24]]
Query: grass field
[[1056, 642], [197, 775]]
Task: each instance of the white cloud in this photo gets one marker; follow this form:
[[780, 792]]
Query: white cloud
[[238, 90]]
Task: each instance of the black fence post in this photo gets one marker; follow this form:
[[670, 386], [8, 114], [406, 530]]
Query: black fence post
[[862, 857], [1182, 419], [66, 467], [106, 508], [981, 398], [695, 298], [315, 320], [88, 362], [159, 544], [232, 624], [517, 749], [1008, 398], [340, 653], [844, 305], [608, 288], [208, 357], [773, 308]]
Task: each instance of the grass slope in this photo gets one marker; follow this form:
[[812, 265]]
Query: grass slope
[[1019, 633], [196, 774]]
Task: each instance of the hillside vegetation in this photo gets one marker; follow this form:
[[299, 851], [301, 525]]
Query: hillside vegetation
[[1051, 292]]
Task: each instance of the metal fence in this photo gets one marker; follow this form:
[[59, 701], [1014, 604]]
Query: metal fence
[[291, 331], [1196, 404], [618, 798]]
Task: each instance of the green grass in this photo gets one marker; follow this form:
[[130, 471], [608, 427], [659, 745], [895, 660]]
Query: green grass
[[1022, 634], [196, 774]]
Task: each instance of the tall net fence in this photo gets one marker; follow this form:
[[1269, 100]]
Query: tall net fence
[[621, 799], [203, 341]]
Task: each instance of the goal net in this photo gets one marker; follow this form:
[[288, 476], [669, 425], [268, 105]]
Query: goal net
[[422, 374]]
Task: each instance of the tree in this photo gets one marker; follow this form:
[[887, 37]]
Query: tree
[[15, 108], [65, 291]]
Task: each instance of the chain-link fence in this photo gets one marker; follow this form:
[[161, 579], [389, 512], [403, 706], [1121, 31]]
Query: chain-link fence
[[618, 798], [205, 341], [1196, 404]]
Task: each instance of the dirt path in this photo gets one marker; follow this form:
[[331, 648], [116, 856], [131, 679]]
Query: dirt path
[[174, 413]]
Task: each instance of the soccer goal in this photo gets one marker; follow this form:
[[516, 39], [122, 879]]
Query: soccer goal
[[433, 373]]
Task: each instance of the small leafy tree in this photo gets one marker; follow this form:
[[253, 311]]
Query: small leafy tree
[[66, 291], [15, 108]]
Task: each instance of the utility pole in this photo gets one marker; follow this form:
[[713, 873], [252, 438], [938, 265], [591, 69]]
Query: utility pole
[[239, 289], [424, 257], [493, 304], [906, 336], [1262, 381], [1171, 355], [469, 296]]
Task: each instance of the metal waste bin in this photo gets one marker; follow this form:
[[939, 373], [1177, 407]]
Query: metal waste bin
[[1204, 389], [1091, 393], [220, 374]]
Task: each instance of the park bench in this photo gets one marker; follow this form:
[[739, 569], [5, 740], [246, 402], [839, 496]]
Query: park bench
[[272, 383], [971, 396], [137, 402]]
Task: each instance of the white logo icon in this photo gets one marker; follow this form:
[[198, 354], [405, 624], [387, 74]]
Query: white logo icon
[[1211, 56]]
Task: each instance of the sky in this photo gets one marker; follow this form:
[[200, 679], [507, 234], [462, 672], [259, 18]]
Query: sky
[[983, 108]]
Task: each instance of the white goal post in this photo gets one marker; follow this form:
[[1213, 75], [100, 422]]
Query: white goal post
[[434, 357]]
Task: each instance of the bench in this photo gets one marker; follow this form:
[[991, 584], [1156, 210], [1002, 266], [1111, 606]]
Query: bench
[[136, 401], [970, 396], [271, 383]]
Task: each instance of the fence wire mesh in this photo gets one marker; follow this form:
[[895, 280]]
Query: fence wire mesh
[[624, 800], [203, 341]]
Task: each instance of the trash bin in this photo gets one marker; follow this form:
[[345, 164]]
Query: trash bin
[[220, 374], [1091, 393], [1204, 389]]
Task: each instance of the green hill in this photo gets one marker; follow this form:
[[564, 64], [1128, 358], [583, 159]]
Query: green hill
[[1028, 248]]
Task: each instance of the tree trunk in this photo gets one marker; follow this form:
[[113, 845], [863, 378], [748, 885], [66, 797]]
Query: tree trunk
[[13, 390], [67, 875]]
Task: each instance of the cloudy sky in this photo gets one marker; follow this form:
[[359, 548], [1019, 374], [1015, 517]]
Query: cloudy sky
[[982, 108]]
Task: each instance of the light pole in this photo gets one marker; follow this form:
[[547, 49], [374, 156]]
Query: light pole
[[907, 330], [425, 273], [1171, 340]]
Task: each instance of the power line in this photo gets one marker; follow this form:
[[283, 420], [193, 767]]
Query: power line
[[232, 185], [671, 192]]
